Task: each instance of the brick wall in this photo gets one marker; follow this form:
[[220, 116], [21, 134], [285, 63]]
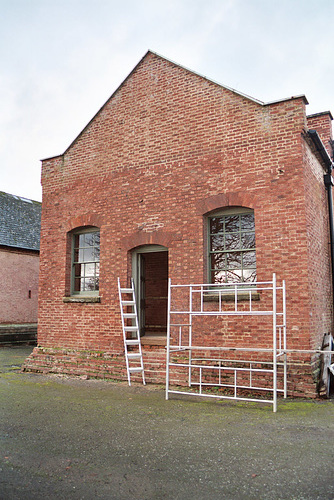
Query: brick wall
[[165, 150], [19, 290], [322, 123]]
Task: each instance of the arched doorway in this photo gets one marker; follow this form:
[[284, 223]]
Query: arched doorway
[[150, 273]]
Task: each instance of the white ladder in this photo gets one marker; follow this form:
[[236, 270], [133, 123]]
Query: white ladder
[[134, 357]]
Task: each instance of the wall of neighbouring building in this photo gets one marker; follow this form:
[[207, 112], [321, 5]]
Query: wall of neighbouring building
[[19, 290]]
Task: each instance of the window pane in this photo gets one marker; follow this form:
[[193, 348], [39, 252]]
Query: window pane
[[232, 223], [216, 224], [96, 253], [247, 222], [234, 276], [89, 240], [81, 240], [232, 241], [248, 240], [88, 255], [217, 242], [233, 260], [218, 277], [97, 239], [89, 270], [80, 256], [90, 284], [249, 259], [218, 261], [249, 275]]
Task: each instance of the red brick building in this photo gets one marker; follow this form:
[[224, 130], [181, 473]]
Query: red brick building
[[19, 259], [177, 176]]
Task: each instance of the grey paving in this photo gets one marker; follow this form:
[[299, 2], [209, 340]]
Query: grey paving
[[65, 438]]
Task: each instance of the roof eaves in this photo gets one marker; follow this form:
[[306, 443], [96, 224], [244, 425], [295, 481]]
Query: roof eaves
[[20, 247]]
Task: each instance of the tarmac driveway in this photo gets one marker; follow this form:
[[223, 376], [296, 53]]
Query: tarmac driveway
[[65, 438]]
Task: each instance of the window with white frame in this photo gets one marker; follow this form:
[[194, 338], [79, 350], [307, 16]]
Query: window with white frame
[[232, 253], [86, 262]]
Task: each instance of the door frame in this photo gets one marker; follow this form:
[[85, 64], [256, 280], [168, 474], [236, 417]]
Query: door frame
[[137, 278]]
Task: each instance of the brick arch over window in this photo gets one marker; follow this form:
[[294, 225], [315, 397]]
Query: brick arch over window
[[88, 219], [224, 200]]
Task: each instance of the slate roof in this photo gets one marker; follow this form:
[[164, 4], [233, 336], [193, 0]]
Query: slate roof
[[20, 222]]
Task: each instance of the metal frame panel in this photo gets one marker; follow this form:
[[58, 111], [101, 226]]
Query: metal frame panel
[[196, 307]]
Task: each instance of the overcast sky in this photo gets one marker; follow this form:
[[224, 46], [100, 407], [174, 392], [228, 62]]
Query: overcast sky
[[62, 59]]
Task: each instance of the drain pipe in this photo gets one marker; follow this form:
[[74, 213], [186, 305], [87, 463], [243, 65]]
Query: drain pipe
[[329, 183]]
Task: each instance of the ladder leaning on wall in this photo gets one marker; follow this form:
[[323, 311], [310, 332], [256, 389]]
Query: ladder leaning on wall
[[131, 335]]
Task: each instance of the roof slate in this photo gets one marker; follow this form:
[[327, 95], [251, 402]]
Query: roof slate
[[20, 222]]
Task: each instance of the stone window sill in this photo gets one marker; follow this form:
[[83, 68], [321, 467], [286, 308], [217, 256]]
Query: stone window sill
[[82, 300]]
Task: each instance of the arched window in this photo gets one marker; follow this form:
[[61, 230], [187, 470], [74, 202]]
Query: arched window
[[231, 242], [85, 261]]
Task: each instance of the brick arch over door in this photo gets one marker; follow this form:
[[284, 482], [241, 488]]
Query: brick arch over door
[[162, 238]]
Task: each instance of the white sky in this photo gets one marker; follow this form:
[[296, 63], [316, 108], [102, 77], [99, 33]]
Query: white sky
[[62, 59]]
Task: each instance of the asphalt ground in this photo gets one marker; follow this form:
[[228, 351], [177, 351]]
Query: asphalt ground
[[67, 438]]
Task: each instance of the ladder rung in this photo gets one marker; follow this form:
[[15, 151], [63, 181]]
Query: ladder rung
[[131, 328], [128, 302], [129, 315], [132, 342], [126, 290], [136, 369], [134, 355]]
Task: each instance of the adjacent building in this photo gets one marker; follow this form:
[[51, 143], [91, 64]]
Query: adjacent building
[[19, 256]]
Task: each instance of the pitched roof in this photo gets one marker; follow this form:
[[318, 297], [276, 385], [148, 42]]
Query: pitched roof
[[20, 222]]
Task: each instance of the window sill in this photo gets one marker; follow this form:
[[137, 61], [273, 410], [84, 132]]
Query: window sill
[[229, 297], [82, 300]]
